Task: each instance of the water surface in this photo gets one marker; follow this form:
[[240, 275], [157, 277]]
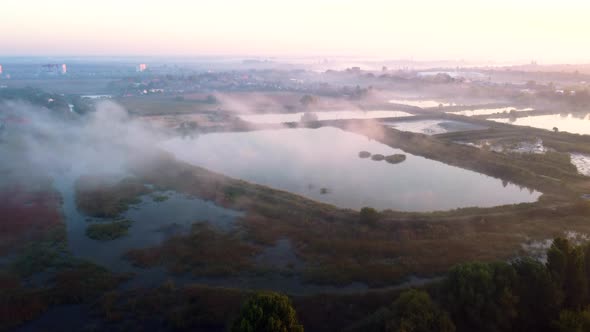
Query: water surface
[[323, 164], [152, 223], [488, 111], [579, 124], [433, 127], [423, 103], [324, 115]]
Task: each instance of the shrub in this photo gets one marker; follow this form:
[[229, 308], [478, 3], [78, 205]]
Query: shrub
[[267, 312]]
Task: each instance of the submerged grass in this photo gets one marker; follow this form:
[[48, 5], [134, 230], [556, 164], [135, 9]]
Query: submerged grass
[[98, 197], [105, 231]]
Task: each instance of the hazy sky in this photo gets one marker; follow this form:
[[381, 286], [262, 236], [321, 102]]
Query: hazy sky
[[548, 31]]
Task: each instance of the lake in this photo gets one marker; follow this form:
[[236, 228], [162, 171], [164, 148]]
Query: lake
[[323, 164], [324, 115], [572, 124]]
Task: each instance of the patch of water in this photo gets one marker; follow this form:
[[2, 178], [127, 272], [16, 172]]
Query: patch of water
[[422, 103], [488, 111], [153, 222], [582, 163], [568, 123], [324, 115], [433, 127]]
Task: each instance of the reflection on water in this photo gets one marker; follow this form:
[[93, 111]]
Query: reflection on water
[[327, 115], [153, 222], [433, 127], [305, 160], [575, 124], [488, 111], [582, 163], [420, 102]]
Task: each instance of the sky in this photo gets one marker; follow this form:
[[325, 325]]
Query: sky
[[476, 30]]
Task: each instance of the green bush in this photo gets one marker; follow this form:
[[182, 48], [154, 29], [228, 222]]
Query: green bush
[[267, 312]]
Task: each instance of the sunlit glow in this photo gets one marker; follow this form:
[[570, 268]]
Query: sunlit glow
[[423, 29]]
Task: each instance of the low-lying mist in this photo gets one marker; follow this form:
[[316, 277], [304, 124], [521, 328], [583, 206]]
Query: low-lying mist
[[35, 140]]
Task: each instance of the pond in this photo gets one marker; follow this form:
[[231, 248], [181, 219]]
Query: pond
[[575, 124], [324, 115], [488, 111], [433, 127], [323, 164]]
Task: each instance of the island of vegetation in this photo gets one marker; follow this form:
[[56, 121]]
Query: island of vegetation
[[377, 157], [395, 158], [109, 230], [364, 154]]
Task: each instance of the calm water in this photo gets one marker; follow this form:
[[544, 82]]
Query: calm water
[[569, 123], [433, 127], [488, 111], [420, 102], [327, 115], [305, 161], [153, 222]]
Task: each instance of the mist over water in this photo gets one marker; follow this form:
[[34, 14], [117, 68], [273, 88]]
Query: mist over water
[[323, 164]]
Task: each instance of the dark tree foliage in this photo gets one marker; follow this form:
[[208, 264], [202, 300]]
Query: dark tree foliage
[[267, 312], [414, 311], [479, 296], [538, 298], [369, 216], [567, 267]]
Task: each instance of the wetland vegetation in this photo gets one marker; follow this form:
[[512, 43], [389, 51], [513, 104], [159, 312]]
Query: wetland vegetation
[[191, 218]]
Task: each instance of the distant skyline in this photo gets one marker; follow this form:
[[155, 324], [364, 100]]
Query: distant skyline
[[473, 30]]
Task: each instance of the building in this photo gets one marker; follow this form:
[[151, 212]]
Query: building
[[0, 69], [54, 69], [141, 68]]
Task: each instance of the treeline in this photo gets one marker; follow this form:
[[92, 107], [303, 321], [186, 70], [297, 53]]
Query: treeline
[[36, 97], [523, 295]]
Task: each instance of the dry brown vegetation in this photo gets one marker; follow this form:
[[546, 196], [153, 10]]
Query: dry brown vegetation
[[338, 249]]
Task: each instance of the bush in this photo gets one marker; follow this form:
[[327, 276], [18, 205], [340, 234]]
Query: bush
[[364, 154], [369, 216], [267, 312], [395, 158]]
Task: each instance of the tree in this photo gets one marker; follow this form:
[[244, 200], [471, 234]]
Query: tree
[[479, 296], [539, 301], [555, 129], [573, 321], [414, 311], [307, 100], [566, 265], [369, 216], [267, 312]]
